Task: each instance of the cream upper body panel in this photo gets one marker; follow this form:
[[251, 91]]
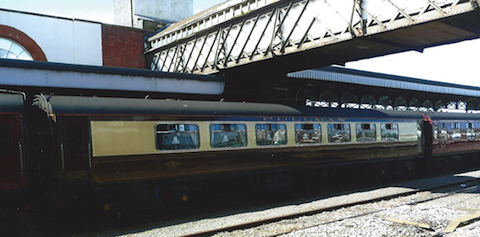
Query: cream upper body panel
[[120, 138], [110, 138]]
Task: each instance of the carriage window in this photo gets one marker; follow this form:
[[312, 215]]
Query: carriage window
[[271, 134], [177, 137], [6, 141], [308, 133], [470, 131], [435, 132], [366, 132], [389, 132], [456, 132], [338, 132], [228, 135]]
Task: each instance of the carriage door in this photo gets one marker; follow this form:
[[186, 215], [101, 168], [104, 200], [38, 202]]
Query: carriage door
[[11, 152], [74, 148], [428, 134]]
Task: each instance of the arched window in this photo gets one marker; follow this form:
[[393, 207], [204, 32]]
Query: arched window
[[15, 44], [13, 50]]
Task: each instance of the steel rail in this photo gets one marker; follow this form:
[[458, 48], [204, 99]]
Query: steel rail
[[336, 207]]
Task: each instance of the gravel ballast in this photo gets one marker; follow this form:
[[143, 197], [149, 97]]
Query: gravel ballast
[[381, 218]]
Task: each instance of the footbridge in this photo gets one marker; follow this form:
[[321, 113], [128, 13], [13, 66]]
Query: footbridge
[[275, 37]]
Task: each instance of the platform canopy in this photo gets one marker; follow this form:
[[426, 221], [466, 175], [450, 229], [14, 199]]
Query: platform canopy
[[46, 76], [356, 88]]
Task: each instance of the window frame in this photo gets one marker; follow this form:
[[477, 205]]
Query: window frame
[[237, 130], [334, 128], [178, 123], [470, 131], [385, 138], [297, 140], [456, 132], [271, 134], [359, 127]]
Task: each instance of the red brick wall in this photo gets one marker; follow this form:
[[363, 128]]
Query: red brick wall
[[122, 47]]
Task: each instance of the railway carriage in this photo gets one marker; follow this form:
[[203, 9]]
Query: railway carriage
[[112, 140], [123, 147], [455, 137]]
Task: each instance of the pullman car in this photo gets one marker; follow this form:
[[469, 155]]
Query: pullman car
[[114, 140], [70, 147]]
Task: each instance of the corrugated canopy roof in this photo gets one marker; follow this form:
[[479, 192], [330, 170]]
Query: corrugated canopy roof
[[351, 76]]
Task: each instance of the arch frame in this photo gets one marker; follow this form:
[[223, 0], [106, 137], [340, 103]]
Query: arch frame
[[23, 39]]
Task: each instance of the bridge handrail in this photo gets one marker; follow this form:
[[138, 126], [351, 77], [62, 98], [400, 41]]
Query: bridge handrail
[[206, 19], [288, 27]]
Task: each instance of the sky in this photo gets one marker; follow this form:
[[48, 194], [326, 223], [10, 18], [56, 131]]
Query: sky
[[200, 5], [456, 63], [96, 10]]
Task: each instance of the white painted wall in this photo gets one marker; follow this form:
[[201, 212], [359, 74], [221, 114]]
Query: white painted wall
[[62, 40], [170, 10], [174, 10], [123, 12]]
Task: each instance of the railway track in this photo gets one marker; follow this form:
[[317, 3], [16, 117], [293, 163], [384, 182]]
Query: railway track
[[445, 190], [293, 220]]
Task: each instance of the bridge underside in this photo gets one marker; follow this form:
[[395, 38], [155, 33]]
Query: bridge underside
[[293, 35], [416, 37], [255, 48], [267, 81]]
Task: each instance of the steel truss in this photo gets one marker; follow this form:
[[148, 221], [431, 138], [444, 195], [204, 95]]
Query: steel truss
[[386, 103], [256, 30]]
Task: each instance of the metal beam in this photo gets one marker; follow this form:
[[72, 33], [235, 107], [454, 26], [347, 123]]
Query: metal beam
[[280, 29], [19, 74]]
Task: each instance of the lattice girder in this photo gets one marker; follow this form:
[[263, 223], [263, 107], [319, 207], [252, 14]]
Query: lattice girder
[[246, 34]]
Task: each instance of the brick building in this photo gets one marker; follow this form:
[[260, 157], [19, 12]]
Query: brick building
[[33, 36]]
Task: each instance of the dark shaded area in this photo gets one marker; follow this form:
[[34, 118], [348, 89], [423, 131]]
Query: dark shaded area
[[190, 201]]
